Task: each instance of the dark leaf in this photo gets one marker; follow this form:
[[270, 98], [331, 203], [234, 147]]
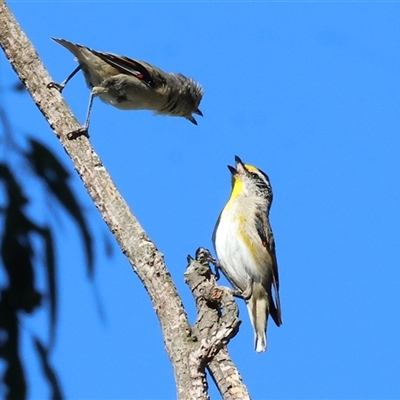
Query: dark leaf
[[55, 176], [50, 264], [19, 87], [14, 376], [16, 248], [108, 245], [48, 371]]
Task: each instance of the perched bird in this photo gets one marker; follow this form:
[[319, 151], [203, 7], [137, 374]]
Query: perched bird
[[132, 85], [245, 247]]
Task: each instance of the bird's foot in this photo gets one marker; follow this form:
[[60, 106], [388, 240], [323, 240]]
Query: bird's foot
[[59, 86], [82, 131], [213, 261], [244, 294]]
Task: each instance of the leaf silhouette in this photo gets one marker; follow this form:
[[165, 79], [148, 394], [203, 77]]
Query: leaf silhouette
[[50, 264], [48, 371], [53, 173]]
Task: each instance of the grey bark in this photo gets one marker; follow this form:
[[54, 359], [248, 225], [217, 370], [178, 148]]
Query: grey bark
[[190, 349]]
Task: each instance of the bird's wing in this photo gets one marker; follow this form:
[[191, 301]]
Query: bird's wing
[[267, 239], [129, 66]]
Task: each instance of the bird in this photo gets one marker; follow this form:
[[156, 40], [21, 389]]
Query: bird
[[245, 247], [130, 84]]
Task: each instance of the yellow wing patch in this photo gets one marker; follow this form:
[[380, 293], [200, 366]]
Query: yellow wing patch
[[242, 222]]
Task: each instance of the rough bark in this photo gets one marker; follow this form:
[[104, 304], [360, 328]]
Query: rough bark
[[217, 322], [189, 349]]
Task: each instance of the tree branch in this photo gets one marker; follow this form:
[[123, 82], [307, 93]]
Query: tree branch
[[216, 324]]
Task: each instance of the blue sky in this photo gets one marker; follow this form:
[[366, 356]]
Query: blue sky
[[307, 91]]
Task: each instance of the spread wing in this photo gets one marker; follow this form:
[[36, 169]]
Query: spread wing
[[267, 239]]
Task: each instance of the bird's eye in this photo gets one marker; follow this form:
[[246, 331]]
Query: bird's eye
[[254, 175]]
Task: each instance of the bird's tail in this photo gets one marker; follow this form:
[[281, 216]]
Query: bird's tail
[[73, 48], [275, 313], [258, 307]]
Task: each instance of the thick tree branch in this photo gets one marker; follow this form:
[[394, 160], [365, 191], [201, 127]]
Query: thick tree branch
[[217, 322], [188, 356]]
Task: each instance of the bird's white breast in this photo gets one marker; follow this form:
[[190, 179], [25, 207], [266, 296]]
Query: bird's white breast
[[234, 254]]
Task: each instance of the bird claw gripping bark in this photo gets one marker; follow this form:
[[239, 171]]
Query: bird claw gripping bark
[[82, 131], [59, 86], [205, 253]]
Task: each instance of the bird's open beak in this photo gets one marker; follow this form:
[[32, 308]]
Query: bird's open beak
[[240, 168], [233, 170], [191, 119]]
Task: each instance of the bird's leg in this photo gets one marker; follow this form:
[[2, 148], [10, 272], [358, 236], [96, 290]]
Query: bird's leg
[[84, 130], [60, 86], [244, 294]]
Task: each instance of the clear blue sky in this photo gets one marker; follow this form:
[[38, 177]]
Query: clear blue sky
[[307, 91]]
